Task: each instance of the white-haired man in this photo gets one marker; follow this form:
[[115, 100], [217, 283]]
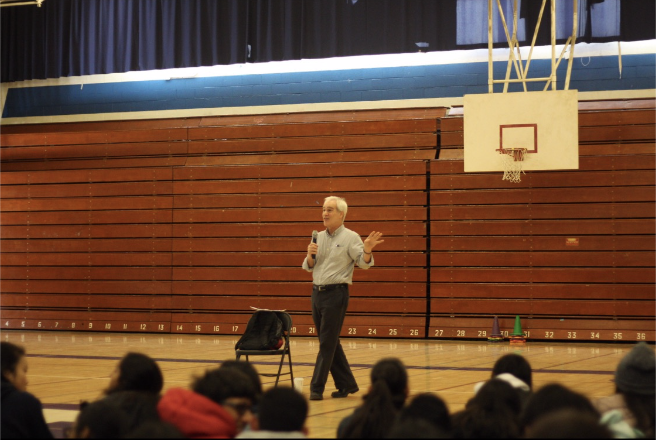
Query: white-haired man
[[332, 260]]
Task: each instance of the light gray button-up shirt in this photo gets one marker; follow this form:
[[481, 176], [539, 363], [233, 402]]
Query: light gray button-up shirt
[[336, 258]]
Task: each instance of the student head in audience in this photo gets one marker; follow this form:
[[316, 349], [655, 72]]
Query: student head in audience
[[139, 407], [155, 429], [514, 369], [100, 419], [416, 428], [21, 414], [428, 407], [514, 364], [386, 396], [554, 397], [136, 372], [218, 405], [568, 423], [282, 414], [492, 413], [633, 402], [249, 370]]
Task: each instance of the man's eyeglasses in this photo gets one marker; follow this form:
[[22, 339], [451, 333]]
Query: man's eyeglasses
[[240, 408]]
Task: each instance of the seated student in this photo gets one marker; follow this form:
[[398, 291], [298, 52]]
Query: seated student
[[21, 413], [250, 371], [219, 405], [416, 428], [385, 398], [282, 414], [139, 407], [155, 429], [554, 397], [515, 364], [631, 410], [492, 413], [99, 419], [426, 415], [568, 423], [136, 372], [428, 407], [516, 370]]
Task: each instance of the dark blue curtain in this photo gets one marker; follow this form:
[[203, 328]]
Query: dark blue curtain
[[82, 37]]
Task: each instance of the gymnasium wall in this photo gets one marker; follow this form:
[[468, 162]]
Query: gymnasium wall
[[174, 201], [184, 224]]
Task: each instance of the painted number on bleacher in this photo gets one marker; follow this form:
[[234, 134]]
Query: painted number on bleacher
[[142, 326], [439, 332], [108, 326], [235, 328], [548, 335], [91, 325], [571, 335], [617, 335], [178, 327], [414, 332], [198, 328], [594, 335], [72, 325], [217, 328], [160, 327], [352, 331], [312, 330], [460, 333], [393, 332], [293, 330], [372, 331], [482, 333], [640, 336]]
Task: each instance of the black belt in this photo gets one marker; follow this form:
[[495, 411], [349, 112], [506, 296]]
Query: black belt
[[328, 287]]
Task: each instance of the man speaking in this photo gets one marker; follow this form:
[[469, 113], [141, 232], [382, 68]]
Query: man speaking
[[331, 257]]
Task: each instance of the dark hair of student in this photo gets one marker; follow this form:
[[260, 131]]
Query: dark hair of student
[[415, 427], [248, 369], [220, 384], [155, 429], [428, 407], [388, 392], [138, 372], [282, 409], [643, 408], [101, 419], [492, 413], [10, 356], [516, 365], [568, 423], [139, 407], [554, 397]]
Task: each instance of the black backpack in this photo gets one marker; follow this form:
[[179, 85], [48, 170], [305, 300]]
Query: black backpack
[[263, 332]]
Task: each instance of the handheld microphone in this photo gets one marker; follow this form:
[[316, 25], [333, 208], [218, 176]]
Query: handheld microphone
[[315, 234]]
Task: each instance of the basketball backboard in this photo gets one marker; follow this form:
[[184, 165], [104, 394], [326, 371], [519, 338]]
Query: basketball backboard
[[545, 124]]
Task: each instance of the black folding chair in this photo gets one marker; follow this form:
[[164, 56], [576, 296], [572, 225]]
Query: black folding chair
[[284, 350]]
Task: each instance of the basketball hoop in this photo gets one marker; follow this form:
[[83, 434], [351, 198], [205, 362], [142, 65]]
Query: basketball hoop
[[512, 159]]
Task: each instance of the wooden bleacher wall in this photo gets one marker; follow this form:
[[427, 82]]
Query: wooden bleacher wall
[[181, 225]]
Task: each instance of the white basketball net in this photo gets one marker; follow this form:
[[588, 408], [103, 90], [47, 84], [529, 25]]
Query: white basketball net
[[512, 164]]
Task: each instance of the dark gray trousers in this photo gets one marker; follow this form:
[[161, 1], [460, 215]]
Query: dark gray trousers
[[328, 311]]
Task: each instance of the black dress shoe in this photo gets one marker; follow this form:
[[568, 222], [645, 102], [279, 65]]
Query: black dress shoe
[[344, 393], [316, 396]]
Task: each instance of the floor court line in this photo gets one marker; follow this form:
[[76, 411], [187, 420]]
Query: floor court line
[[311, 364]]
